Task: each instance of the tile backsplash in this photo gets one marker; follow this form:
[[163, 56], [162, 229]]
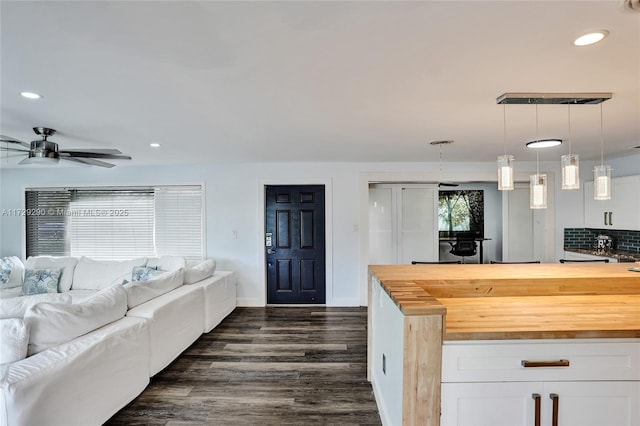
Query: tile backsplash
[[585, 238]]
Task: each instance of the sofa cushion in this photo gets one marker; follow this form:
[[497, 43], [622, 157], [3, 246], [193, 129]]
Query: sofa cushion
[[200, 271], [145, 273], [39, 281], [142, 291], [51, 324], [11, 269], [14, 334], [167, 263], [67, 264], [91, 274], [15, 307]]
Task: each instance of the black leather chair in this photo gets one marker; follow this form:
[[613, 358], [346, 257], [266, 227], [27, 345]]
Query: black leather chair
[[583, 260], [512, 263], [465, 245], [450, 262]]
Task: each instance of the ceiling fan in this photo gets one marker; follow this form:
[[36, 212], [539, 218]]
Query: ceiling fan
[[44, 151]]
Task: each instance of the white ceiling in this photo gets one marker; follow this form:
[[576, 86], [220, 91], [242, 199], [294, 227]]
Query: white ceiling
[[317, 81]]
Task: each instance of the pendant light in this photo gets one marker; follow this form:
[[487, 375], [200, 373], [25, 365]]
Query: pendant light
[[570, 163], [601, 173], [538, 182], [505, 162]]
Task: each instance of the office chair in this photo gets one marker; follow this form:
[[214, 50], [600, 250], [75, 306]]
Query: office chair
[[451, 262], [513, 263], [583, 260], [465, 245]]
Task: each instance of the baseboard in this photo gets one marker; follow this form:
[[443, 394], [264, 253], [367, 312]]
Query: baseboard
[[249, 302], [344, 302], [384, 416]]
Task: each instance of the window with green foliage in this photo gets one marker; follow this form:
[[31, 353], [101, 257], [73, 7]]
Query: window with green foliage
[[461, 210]]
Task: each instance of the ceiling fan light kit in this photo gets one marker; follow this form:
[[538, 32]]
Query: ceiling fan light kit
[[45, 152]]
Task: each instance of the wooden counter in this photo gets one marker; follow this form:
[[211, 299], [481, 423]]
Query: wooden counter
[[441, 303], [526, 301]]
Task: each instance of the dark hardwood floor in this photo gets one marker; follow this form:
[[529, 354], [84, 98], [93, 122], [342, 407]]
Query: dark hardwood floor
[[268, 366]]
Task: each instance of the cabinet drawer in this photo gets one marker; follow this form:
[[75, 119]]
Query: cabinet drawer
[[500, 361]]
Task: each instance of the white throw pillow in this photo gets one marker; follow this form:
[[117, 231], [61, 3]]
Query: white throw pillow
[[142, 291], [67, 264], [200, 272], [93, 274], [11, 269], [51, 324], [167, 263], [15, 307], [14, 334]]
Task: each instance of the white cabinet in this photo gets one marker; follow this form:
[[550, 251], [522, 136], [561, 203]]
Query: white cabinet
[[572, 255], [622, 211], [588, 382], [576, 403]]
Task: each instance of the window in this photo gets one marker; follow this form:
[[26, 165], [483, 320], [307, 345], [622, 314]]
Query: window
[[461, 210], [115, 223]]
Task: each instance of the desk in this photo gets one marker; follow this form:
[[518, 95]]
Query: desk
[[479, 240]]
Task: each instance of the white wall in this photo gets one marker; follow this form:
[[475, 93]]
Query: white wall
[[232, 203]]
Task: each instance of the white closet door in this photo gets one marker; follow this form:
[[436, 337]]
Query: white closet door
[[382, 241], [418, 239]]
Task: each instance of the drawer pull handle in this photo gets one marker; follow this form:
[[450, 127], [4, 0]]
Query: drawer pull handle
[[558, 363], [556, 408], [536, 419]]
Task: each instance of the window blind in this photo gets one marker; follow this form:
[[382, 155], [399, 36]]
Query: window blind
[[116, 223], [178, 217], [111, 224], [46, 223]]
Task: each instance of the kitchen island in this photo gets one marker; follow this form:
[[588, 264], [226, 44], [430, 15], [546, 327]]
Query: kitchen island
[[459, 329]]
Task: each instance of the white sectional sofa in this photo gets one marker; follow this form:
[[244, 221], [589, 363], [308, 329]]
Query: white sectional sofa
[[97, 348]]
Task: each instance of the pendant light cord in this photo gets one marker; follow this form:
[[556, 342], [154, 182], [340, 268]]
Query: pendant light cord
[[601, 138], [537, 150], [504, 127], [569, 119]]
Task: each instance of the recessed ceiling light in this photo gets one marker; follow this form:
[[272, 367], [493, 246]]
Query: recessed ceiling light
[[544, 143], [591, 38], [154, 145], [30, 95]]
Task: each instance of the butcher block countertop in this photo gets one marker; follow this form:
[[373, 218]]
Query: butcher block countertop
[[519, 301]]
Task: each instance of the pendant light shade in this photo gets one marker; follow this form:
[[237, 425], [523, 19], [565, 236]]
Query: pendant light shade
[[601, 173], [570, 164], [538, 191], [505, 162], [602, 182], [570, 171], [505, 172], [537, 182]]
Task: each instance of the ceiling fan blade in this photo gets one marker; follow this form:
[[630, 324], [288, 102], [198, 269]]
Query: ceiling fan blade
[[6, 148], [89, 161], [93, 151], [86, 154], [9, 139]]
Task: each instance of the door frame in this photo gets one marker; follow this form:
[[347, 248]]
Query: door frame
[[367, 178], [328, 232]]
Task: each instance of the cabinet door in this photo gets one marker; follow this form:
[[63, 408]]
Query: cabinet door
[[593, 403], [625, 203], [622, 210], [595, 210], [489, 404]]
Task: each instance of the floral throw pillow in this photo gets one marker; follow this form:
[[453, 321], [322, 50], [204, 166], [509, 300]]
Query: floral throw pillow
[[38, 281], [145, 273]]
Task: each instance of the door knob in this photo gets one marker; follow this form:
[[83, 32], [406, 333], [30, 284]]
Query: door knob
[[270, 251]]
